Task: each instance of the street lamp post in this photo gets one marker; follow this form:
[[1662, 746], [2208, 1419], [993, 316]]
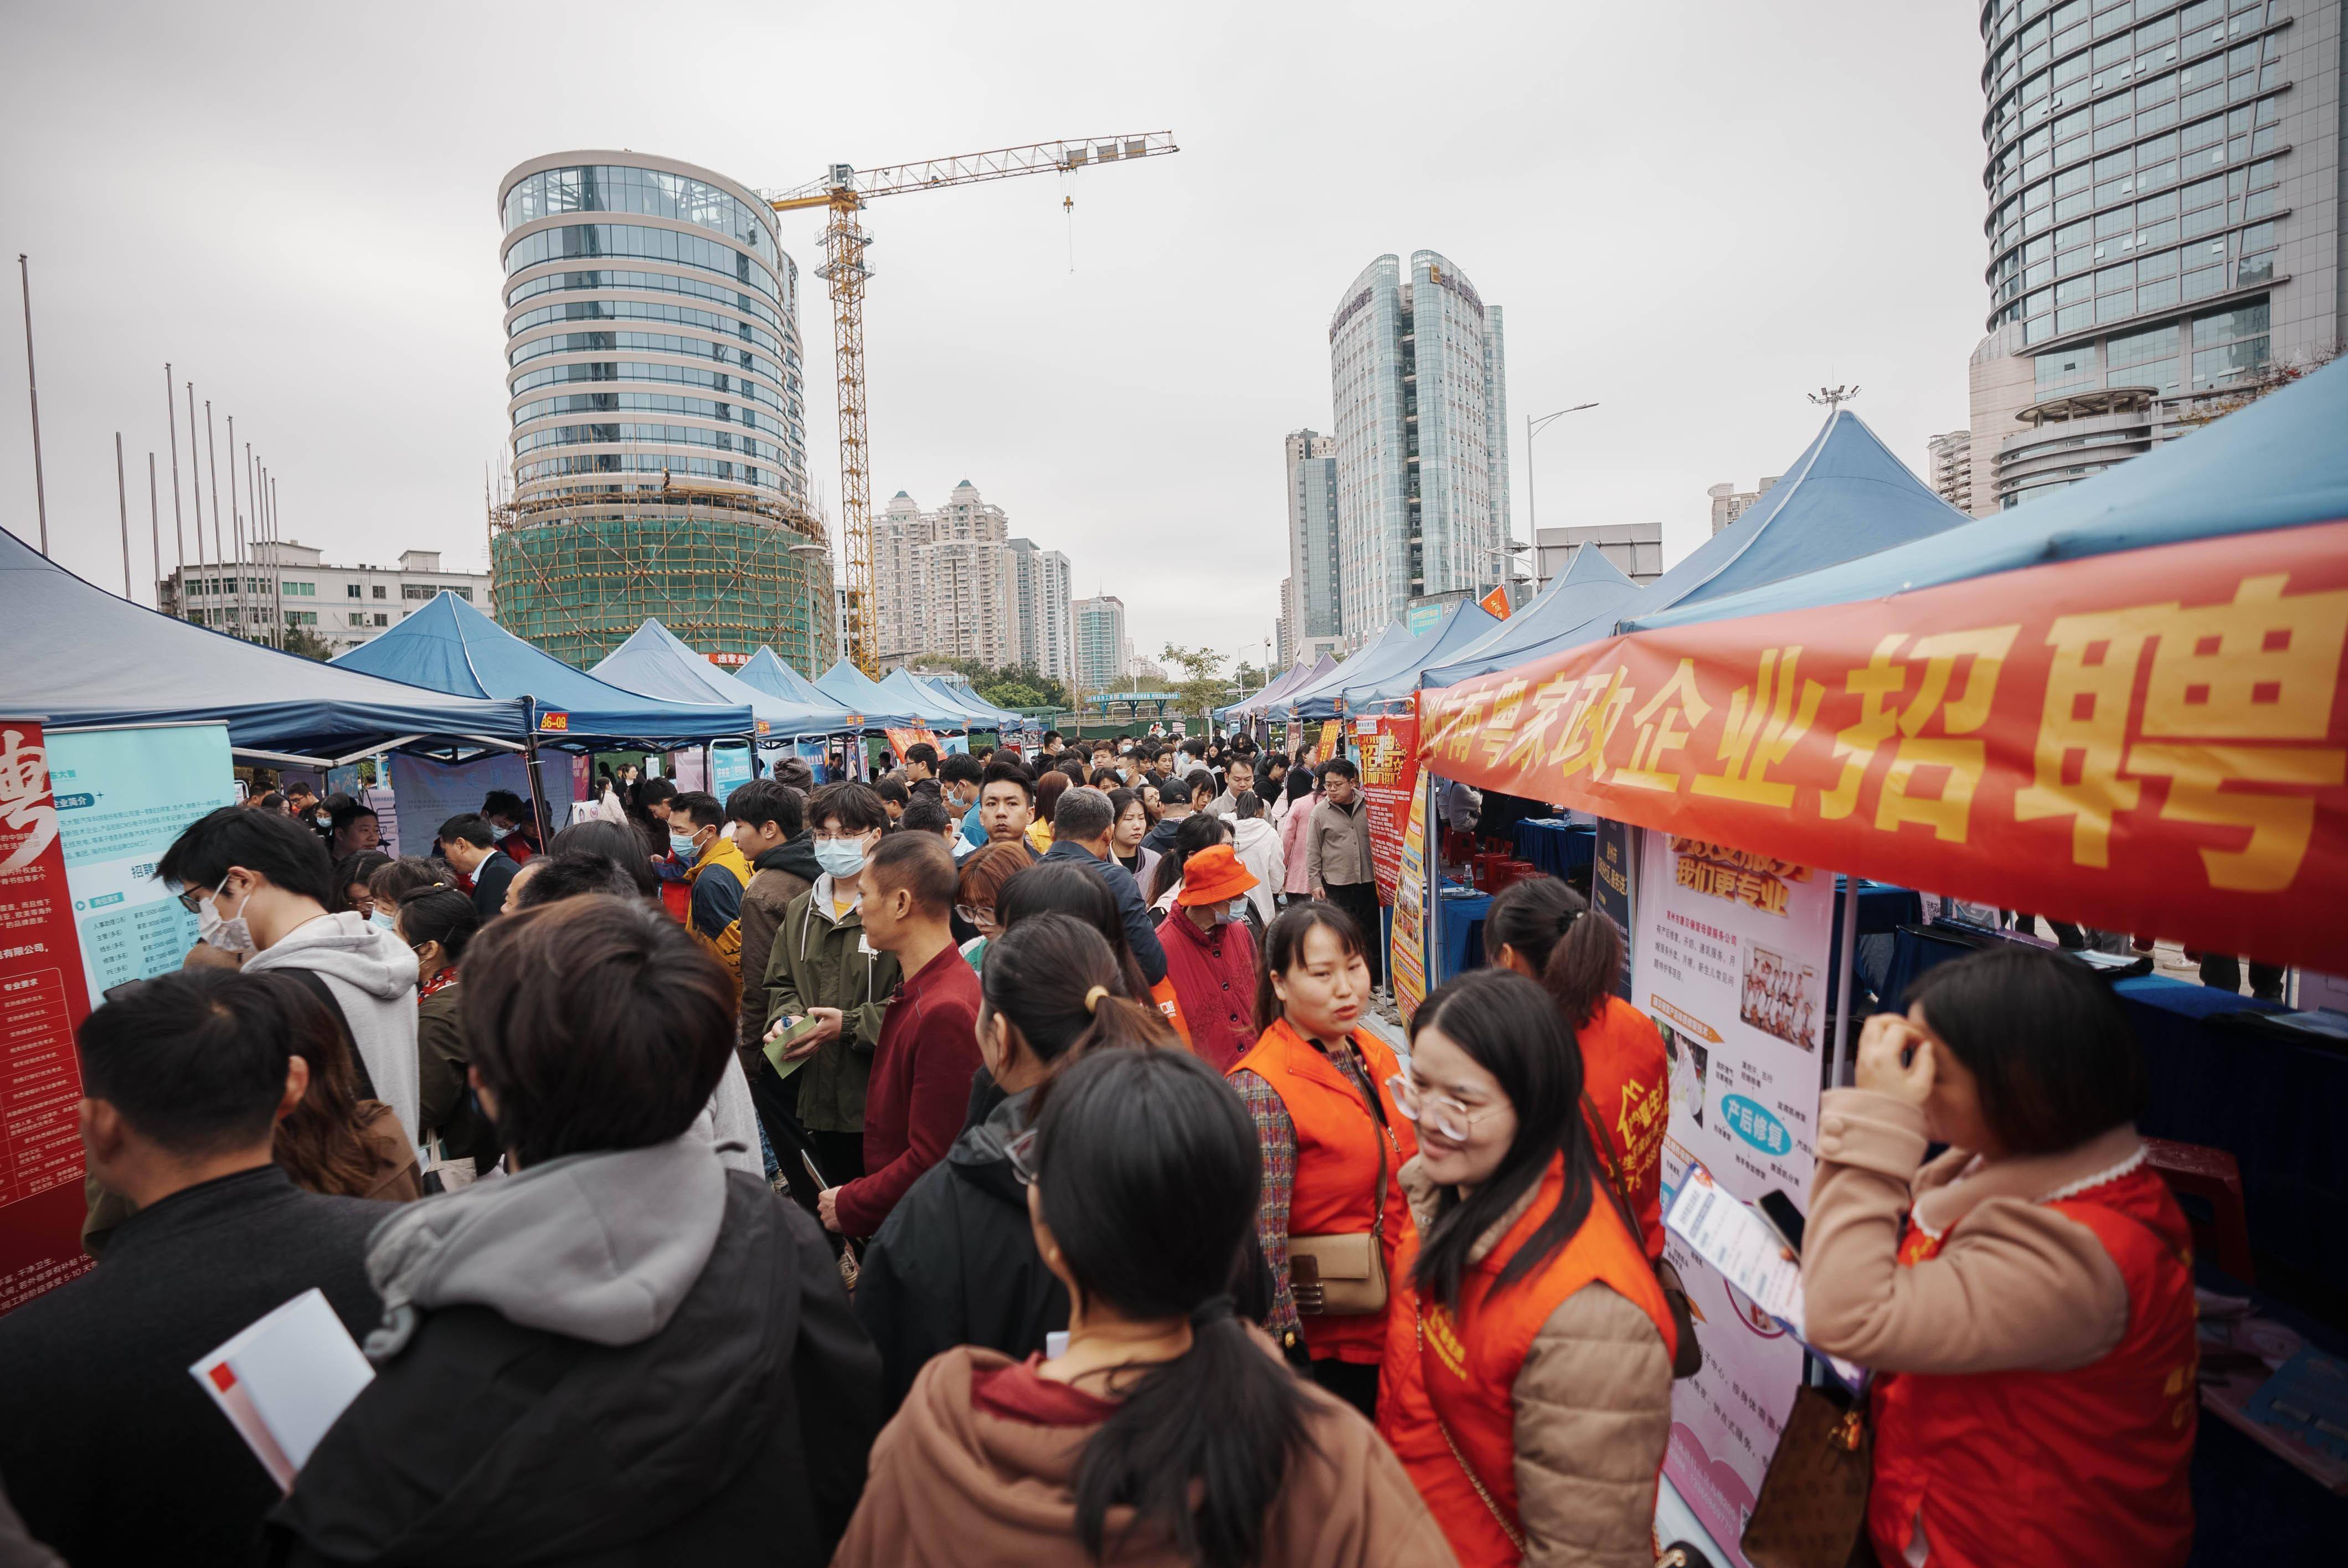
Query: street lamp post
[[1534, 426]]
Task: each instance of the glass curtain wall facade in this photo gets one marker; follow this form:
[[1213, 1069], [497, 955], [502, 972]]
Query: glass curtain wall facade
[[2163, 222], [657, 392], [1417, 370], [1100, 642]]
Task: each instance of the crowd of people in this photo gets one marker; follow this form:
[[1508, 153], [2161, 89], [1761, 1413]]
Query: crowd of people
[[1000, 1161]]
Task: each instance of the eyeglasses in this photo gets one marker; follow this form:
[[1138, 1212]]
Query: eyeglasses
[[976, 913], [1020, 1152], [836, 835], [1446, 1116]]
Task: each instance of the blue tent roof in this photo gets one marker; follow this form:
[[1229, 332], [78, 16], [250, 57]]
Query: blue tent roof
[[1318, 699], [2280, 462], [654, 662], [769, 673], [1267, 696], [449, 646], [978, 713], [1467, 625], [77, 655], [925, 704], [844, 682], [1589, 589], [959, 686]]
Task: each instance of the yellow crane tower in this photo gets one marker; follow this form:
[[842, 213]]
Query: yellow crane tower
[[845, 190]]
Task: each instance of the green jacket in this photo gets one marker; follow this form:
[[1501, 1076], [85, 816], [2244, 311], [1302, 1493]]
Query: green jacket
[[816, 962]]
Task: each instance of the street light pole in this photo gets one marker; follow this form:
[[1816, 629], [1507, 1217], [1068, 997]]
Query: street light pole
[[1534, 426], [33, 386]]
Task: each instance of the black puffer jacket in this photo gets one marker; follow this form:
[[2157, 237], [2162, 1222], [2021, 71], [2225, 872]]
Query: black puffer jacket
[[955, 1262]]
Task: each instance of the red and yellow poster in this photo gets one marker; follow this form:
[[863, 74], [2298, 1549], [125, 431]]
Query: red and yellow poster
[[43, 999], [900, 741], [1407, 953], [1389, 784], [1331, 737], [2154, 740]]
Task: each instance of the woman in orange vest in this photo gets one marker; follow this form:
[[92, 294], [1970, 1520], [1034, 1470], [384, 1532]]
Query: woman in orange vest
[[1333, 1216], [2030, 1322], [1528, 1383], [1544, 931]]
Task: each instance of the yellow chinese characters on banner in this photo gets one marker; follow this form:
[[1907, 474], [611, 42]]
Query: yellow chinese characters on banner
[[2151, 741], [1762, 881]]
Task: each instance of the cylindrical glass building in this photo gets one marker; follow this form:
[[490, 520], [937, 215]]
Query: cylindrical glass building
[[657, 392]]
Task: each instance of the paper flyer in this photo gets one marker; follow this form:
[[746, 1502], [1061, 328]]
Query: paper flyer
[[281, 1381]]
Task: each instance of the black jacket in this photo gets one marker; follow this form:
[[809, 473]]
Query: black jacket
[[737, 1433], [108, 1447], [956, 1261], [489, 879], [1141, 929], [1160, 838]]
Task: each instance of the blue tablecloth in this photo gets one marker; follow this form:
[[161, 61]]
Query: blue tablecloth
[[1555, 845], [1883, 908], [1462, 932], [2273, 1104]]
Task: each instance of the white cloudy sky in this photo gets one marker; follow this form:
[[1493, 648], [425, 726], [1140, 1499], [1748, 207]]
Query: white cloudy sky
[[1692, 211]]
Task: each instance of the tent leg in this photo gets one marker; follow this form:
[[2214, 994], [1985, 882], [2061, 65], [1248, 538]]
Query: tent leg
[[537, 788], [1846, 1055]]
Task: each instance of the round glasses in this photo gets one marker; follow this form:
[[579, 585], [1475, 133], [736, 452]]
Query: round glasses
[[1446, 1116]]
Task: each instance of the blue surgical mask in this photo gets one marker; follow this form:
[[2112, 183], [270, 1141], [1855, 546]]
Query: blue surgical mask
[[681, 845], [389, 922], [841, 858]]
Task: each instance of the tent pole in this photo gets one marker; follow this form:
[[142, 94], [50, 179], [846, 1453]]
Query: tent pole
[[1846, 1056], [537, 776]]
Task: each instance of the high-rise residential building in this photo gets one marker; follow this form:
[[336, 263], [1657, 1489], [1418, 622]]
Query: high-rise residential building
[[1729, 503], [1038, 585], [1418, 367], [1636, 549], [1311, 466], [1949, 468], [342, 606], [1285, 639], [1102, 650], [2165, 224], [654, 373], [953, 582]]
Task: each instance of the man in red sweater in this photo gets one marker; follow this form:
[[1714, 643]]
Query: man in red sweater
[[915, 1104]]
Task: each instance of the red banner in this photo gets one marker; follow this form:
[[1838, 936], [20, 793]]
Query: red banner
[[903, 741], [1389, 780], [2152, 741], [43, 999]]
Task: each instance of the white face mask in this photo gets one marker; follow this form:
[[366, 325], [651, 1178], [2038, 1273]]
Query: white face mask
[[229, 936]]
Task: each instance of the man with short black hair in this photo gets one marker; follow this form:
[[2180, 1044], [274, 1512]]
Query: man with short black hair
[[963, 775], [511, 822], [1337, 855], [259, 886], [928, 1049], [1174, 805], [110, 1450], [1080, 833], [572, 874], [894, 796], [1239, 778], [920, 762], [1006, 802], [770, 829], [715, 871], [470, 844]]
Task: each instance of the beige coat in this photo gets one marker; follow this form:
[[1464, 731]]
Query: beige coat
[[2018, 1285], [1594, 1412], [1337, 843]]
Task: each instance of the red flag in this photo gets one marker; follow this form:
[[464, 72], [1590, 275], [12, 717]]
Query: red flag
[[1497, 601]]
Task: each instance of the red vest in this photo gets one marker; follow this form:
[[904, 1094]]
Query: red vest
[[1467, 1365], [1626, 1079], [2087, 1466], [1337, 1149]]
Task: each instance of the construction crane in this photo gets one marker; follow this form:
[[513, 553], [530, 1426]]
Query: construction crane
[[844, 191]]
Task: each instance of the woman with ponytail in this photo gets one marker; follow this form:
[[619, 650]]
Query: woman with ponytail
[[953, 1264], [1165, 1433], [1546, 931], [1527, 1386]]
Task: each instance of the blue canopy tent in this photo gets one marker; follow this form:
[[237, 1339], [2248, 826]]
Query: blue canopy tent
[[655, 663], [449, 646], [862, 695], [1259, 702], [960, 687], [979, 714], [769, 673], [81, 658], [923, 704], [1318, 699], [2280, 463], [1468, 624], [1589, 589]]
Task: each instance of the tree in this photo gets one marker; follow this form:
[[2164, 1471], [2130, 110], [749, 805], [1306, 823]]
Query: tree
[[1201, 690], [1019, 686], [302, 642], [1248, 678]]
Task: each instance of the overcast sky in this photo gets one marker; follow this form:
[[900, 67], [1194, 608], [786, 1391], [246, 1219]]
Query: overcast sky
[[1692, 211]]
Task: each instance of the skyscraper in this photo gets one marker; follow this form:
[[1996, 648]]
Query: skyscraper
[[2164, 224], [1037, 587], [1729, 503], [1101, 652], [952, 583], [653, 379], [1417, 369], [1313, 549], [1950, 470]]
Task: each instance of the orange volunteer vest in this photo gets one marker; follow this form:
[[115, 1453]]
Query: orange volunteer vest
[[1337, 1145], [2085, 1466], [1467, 1365], [1626, 1080]]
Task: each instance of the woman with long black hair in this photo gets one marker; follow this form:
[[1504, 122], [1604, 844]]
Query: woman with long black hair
[[1528, 1385], [1163, 1433]]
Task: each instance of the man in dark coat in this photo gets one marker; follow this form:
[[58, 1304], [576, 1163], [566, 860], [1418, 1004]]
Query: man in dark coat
[[1081, 830]]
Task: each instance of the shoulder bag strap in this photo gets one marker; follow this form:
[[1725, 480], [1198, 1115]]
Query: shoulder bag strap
[[1491, 1504], [1385, 1136]]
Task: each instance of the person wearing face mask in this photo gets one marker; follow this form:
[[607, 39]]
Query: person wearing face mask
[[510, 820], [821, 968], [259, 886], [927, 1050], [1211, 955], [1528, 1379], [963, 775], [1333, 1217], [438, 924], [770, 821], [470, 848], [715, 872]]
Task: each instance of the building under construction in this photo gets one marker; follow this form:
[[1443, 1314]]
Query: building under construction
[[655, 386]]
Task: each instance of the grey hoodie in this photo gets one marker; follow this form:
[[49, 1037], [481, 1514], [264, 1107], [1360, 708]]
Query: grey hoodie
[[372, 976], [599, 1247]]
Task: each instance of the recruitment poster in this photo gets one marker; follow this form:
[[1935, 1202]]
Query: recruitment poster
[[1732, 963], [1389, 784], [1613, 880], [1407, 953], [729, 769], [43, 999], [431, 792], [122, 796]]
